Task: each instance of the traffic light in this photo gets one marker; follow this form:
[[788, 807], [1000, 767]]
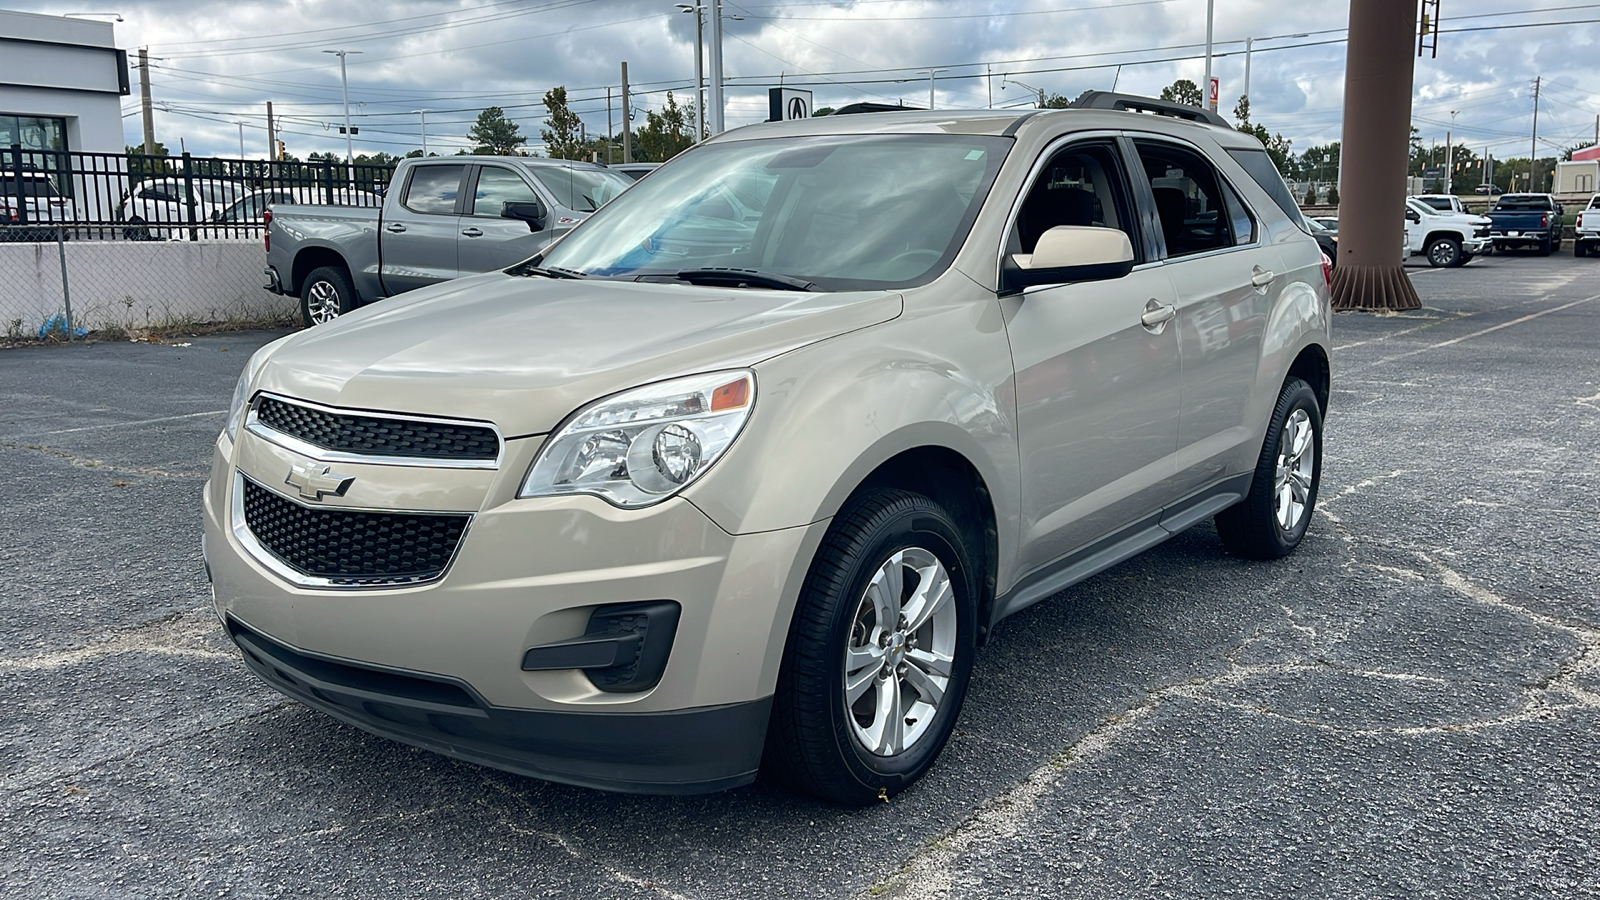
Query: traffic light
[[280, 151]]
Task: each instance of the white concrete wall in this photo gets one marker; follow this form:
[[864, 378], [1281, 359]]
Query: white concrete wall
[[136, 284]]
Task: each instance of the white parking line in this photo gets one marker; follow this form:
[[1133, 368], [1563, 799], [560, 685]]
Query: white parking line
[[1481, 333]]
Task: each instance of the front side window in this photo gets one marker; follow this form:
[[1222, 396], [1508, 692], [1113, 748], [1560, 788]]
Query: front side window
[[844, 212], [496, 187], [434, 189], [584, 190], [1082, 185], [1188, 199]]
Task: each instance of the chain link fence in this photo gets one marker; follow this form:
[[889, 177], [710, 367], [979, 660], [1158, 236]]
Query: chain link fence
[[132, 242]]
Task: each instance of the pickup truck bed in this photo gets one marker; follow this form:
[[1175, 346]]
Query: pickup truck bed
[[1526, 220]]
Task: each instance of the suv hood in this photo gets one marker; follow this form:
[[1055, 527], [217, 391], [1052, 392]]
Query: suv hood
[[524, 352]]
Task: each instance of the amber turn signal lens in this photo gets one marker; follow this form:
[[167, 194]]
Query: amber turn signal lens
[[733, 395]]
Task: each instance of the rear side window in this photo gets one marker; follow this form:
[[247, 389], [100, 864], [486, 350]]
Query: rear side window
[[1259, 165], [1188, 199], [434, 189], [1524, 204]]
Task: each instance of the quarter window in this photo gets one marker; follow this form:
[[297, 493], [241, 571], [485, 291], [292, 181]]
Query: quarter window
[[1188, 199], [434, 189], [1244, 227], [496, 187]]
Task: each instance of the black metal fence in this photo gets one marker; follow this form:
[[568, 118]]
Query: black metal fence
[[115, 196]]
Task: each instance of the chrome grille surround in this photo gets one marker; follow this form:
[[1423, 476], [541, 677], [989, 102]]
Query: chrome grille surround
[[262, 429]]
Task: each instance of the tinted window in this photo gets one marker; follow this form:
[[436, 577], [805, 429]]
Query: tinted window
[[158, 192], [1242, 225], [1260, 168], [584, 190], [433, 189], [1437, 202], [1594, 203], [1080, 185], [497, 186], [1524, 204], [1188, 199]]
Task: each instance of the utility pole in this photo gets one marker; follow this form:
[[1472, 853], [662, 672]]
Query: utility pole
[[344, 87], [1533, 145], [144, 102], [933, 73], [1247, 42], [698, 9], [423, 113], [272, 134], [1449, 156], [1205, 86], [241, 139], [611, 132], [989, 68], [716, 99], [627, 114]]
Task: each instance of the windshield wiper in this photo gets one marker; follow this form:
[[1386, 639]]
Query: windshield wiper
[[550, 272], [745, 278]]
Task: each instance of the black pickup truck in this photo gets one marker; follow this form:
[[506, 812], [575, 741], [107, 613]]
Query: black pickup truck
[[1526, 220]]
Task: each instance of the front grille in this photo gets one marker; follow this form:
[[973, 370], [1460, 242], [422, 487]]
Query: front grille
[[349, 547], [377, 435]]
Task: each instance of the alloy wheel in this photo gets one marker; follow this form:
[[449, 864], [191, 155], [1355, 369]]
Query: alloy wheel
[[1297, 462], [901, 653], [322, 303]]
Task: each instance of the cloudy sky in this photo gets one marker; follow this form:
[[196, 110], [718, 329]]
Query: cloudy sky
[[217, 64]]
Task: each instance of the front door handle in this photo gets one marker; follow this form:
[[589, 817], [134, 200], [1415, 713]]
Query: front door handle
[[472, 232], [1261, 277], [395, 227], [1156, 315]]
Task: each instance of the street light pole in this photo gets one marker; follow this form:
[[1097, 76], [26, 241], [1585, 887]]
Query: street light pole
[[1211, 8], [699, 66], [932, 74], [1248, 46], [241, 139], [716, 99], [344, 88], [1449, 155], [424, 114]]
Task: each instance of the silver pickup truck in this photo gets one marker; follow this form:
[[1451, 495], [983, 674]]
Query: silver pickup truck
[[441, 218]]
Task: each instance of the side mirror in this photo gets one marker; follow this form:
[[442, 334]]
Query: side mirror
[[1070, 253], [530, 211], [216, 215], [1413, 216]]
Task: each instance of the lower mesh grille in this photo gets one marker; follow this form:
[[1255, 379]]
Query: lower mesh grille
[[349, 547]]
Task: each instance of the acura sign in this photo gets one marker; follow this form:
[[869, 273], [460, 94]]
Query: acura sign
[[784, 104]]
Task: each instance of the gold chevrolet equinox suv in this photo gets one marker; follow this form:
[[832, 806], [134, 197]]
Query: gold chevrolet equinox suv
[[741, 472]]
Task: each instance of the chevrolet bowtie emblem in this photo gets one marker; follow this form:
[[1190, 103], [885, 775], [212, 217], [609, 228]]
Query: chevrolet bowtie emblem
[[315, 481]]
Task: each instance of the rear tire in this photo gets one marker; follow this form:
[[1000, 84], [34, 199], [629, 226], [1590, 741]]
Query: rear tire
[[1544, 247], [1580, 249], [888, 613], [325, 295], [1271, 520]]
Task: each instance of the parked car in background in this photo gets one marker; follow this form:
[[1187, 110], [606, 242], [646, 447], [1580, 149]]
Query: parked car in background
[[636, 170], [1331, 223], [1326, 239], [1586, 233], [649, 511], [1446, 239], [442, 217], [164, 200], [1450, 203], [1489, 189], [31, 196], [252, 207], [1527, 220]]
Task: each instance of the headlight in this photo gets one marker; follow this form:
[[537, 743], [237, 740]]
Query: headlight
[[642, 446], [236, 407]]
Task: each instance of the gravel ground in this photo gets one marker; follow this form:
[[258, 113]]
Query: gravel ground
[[1408, 707]]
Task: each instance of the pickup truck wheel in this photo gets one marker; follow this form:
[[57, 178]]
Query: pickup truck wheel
[[1544, 247], [136, 230], [879, 652], [1444, 252], [1271, 520], [325, 296], [1580, 249]]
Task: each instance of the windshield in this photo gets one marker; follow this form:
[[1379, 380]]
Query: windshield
[[1423, 208], [217, 192], [844, 212], [1438, 202], [584, 190], [1530, 204]]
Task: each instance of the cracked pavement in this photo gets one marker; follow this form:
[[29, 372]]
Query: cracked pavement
[[1407, 707]]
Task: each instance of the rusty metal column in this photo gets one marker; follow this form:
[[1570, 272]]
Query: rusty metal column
[[1379, 64]]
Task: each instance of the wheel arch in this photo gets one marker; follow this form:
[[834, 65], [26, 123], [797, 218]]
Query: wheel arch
[[311, 258], [1311, 366]]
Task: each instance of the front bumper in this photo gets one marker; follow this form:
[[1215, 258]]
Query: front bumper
[[274, 283], [527, 574], [1474, 246]]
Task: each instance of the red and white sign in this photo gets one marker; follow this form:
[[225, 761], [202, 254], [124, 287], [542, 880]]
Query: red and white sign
[[1211, 94]]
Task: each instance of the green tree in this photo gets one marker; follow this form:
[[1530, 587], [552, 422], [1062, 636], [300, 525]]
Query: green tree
[[495, 134], [563, 138], [1055, 101], [1311, 196], [822, 111], [1566, 155], [1183, 91], [1333, 195], [665, 134], [141, 166], [1277, 145], [1319, 163]]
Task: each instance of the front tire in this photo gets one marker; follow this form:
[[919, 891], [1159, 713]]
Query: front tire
[[879, 652], [1271, 520], [325, 296], [1444, 253]]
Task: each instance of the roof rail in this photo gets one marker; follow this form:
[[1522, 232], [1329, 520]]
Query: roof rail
[[1135, 103], [869, 107]]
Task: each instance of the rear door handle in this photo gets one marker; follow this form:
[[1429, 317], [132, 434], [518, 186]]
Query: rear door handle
[[1157, 315], [472, 232], [395, 227], [1261, 277]]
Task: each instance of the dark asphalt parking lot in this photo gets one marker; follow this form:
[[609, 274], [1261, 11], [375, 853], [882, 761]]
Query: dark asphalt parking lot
[[1408, 707]]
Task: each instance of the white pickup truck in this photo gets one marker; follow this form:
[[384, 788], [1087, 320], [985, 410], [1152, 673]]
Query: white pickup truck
[[1586, 233], [1446, 239]]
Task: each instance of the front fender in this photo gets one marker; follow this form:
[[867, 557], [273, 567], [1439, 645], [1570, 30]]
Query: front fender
[[829, 414]]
